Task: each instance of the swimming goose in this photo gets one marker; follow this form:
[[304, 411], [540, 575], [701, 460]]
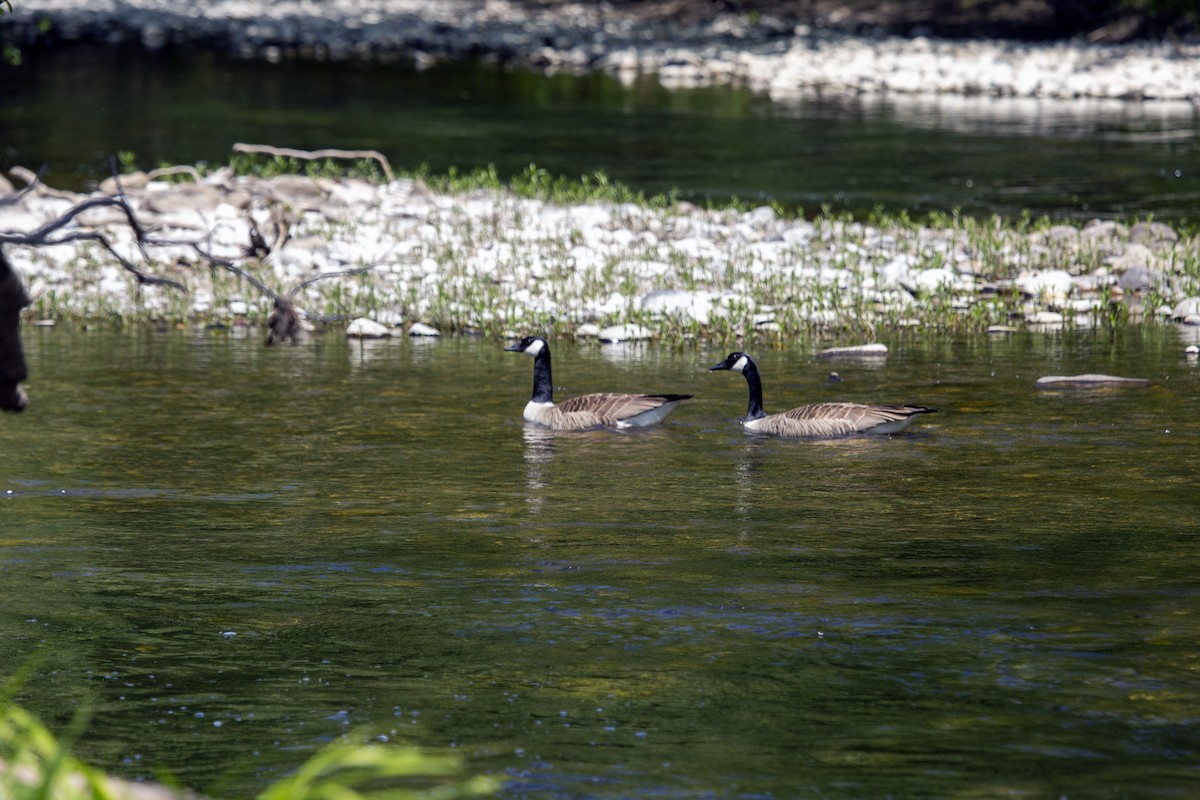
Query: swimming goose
[[817, 420], [589, 410]]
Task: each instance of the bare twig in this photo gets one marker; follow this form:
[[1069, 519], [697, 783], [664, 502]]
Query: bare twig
[[340, 274], [313, 155], [286, 320], [34, 182], [226, 264], [30, 185], [44, 236]]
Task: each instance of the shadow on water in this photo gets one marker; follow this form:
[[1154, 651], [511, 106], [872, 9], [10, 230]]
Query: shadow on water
[[71, 107]]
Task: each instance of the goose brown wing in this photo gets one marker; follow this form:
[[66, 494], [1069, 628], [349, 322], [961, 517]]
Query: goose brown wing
[[610, 407], [835, 419]]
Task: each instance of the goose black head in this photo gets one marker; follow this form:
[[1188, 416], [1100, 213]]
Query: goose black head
[[736, 361], [530, 345]]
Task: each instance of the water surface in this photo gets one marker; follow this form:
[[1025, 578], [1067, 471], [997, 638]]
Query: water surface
[[73, 107], [231, 555]]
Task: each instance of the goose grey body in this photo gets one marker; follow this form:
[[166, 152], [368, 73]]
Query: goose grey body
[[601, 410], [816, 420]]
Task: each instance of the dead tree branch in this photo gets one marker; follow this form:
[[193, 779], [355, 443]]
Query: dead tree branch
[[44, 236], [286, 322], [30, 185], [226, 264], [314, 155], [33, 183], [345, 273]]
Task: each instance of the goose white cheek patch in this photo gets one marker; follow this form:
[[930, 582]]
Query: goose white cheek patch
[[739, 365], [534, 348]]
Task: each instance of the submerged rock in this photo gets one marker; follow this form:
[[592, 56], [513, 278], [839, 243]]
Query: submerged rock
[[855, 351], [1089, 380]]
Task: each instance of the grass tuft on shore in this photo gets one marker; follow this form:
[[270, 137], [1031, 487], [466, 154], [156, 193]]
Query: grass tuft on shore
[[36, 765]]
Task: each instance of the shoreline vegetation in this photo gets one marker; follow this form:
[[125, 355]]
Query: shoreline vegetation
[[35, 764], [468, 253]]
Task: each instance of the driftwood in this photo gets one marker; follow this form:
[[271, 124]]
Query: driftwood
[[313, 155], [32, 181]]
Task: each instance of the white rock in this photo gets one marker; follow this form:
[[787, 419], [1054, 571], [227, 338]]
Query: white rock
[[363, 328], [680, 304], [1135, 255], [588, 330], [896, 272], [1047, 318], [1051, 285], [421, 329], [628, 332], [1188, 307], [934, 279]]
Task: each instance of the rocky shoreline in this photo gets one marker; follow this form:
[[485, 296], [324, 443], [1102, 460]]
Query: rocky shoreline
[[220, 249], [223, 247], [760, 51]]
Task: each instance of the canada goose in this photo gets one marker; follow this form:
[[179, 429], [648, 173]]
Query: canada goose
[[589, 410], [817, 420]]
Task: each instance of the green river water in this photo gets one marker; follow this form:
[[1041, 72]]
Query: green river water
[[73, 107], [231, 555]]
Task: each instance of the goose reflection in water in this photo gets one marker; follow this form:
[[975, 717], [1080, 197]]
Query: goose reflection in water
[[539, 453], [363, 351]]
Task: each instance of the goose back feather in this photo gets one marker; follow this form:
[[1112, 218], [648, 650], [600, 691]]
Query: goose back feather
[[828, 420]]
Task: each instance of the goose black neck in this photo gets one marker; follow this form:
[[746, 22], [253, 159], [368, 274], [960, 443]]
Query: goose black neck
[[543, 385], [755, 410]]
